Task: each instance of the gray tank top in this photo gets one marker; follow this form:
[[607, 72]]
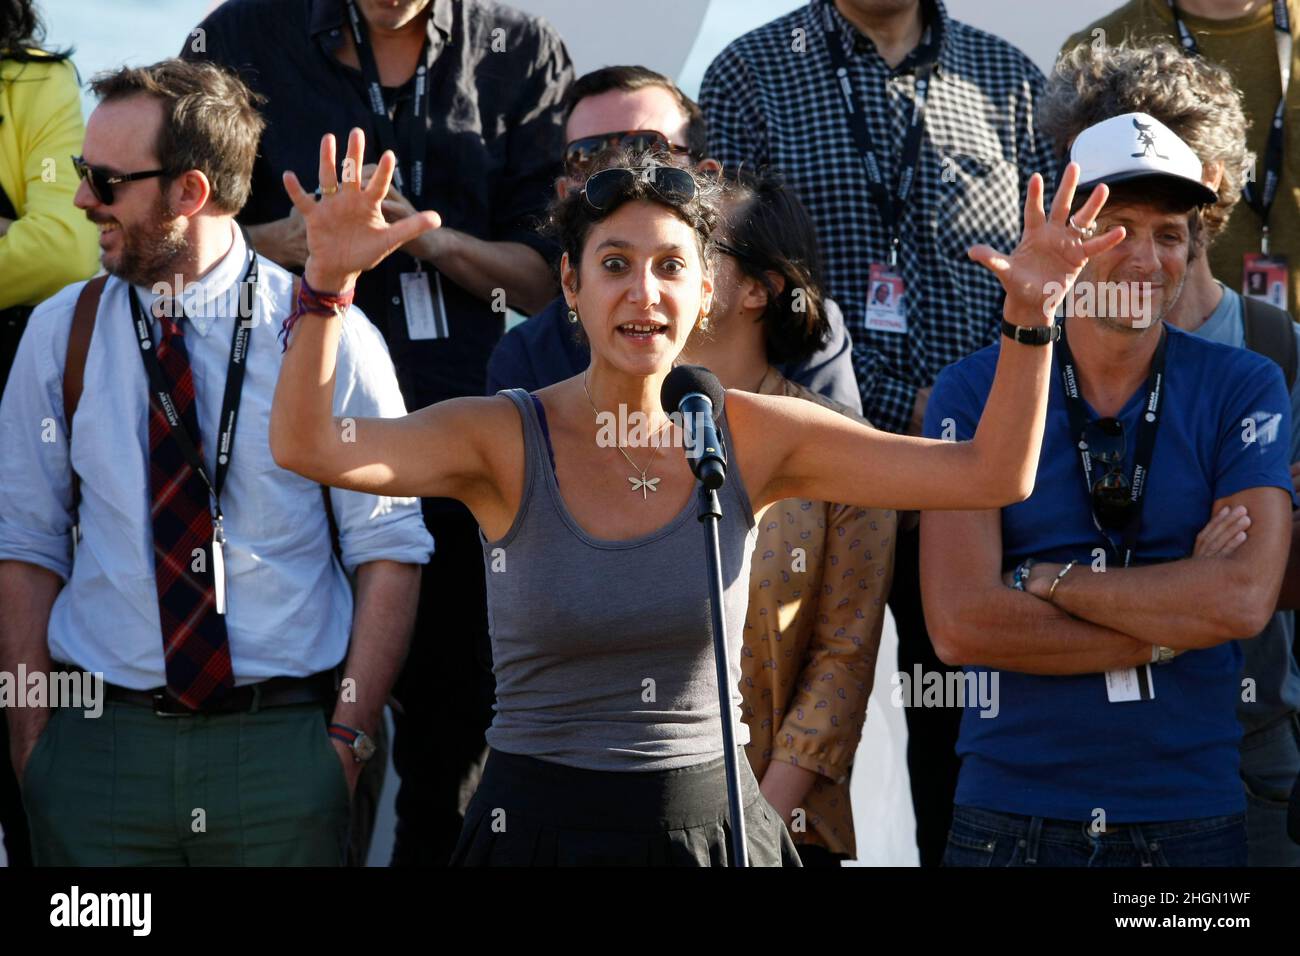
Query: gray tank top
[[602, 649]]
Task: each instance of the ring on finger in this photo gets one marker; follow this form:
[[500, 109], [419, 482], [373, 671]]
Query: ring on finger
[[1087, 233], [326, 190]]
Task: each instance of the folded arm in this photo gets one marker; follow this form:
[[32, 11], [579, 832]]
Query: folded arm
[[1195, 602], [974, 618]]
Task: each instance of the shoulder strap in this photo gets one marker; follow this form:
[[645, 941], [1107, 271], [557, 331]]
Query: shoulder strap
[[83, 327], [1271, 333]]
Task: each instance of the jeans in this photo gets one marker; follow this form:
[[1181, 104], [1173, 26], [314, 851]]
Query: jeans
[[1270, 762], [987, 838]]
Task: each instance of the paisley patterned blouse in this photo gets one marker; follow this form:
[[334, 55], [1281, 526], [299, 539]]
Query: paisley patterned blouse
[[820, 576]]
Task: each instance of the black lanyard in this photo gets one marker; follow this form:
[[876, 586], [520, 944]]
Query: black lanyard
[[1146, 440], [1260, 201], [418, 138], [891, 202], [230, 400]]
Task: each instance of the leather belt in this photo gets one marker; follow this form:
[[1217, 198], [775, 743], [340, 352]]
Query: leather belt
[[250, 698]]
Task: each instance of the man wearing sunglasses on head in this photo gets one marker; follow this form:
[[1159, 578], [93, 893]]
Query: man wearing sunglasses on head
[[148, 537], [632, 107], [1106, 604]]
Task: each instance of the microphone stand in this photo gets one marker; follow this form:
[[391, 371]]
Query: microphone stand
[[710, 513]]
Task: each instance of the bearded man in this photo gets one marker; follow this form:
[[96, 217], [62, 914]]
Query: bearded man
[[148, 537]]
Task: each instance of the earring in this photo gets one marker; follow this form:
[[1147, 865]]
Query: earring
[[704, 322], [573, 317]]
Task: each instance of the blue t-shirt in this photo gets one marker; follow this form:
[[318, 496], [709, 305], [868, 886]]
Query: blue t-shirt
[[1057, 748]]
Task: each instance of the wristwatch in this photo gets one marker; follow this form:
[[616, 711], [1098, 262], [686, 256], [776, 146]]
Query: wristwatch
[[358, 741], [1031, 335]]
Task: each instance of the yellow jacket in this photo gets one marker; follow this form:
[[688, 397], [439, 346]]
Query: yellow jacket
[[52, 243]]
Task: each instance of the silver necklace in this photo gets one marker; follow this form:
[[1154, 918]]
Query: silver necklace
[[642, 483]]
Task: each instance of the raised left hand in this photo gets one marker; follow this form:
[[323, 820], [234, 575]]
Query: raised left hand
[[347, 233]]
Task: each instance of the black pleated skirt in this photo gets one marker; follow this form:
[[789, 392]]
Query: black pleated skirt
[[531, 812]]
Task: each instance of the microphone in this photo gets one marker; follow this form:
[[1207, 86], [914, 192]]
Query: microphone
[[695, 394]]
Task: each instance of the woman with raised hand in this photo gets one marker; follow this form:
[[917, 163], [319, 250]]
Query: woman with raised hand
[[606, 744]]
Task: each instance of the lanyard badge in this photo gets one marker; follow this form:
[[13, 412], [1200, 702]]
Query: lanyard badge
[[886, 307], [229, 409]]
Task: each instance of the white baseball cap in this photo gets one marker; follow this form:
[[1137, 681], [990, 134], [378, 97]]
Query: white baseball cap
[[1137, 146]]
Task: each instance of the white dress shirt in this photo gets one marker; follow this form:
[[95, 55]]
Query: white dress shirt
[[289, 604]]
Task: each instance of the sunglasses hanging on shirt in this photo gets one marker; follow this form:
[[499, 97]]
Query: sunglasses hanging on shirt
[[1116, 500]]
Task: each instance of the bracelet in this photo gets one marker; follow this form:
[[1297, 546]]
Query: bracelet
[[1020, 576], [311, 301], [1051, 592]]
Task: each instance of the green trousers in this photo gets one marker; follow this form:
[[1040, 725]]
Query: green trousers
[[133, 789]]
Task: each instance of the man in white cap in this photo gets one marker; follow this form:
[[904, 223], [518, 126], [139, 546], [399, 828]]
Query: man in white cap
[[1200, 101], [1105, 601]]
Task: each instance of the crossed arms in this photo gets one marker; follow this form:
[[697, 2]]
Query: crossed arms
[[1097, 621]]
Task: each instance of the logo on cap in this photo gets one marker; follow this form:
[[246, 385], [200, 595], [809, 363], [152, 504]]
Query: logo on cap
[[1147, 140]]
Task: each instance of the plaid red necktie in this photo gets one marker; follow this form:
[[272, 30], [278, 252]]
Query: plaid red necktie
[[195, 645]]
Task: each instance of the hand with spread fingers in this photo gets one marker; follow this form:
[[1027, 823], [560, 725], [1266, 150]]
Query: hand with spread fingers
[[1052, 252], [346, 229]]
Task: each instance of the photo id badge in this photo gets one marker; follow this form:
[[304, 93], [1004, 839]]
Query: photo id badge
[[1130, 683], [426, 313], [1265, 278], [886, 311]]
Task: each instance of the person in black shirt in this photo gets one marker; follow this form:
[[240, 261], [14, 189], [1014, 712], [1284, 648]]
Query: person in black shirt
[[471, 97]]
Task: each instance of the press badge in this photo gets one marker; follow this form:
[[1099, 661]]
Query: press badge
[[219, 566], [886, 310], [1130, 683], [426, 313], [1265, 278]]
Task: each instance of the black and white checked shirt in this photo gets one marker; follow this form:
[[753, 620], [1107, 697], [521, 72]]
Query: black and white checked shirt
[[771, 99]]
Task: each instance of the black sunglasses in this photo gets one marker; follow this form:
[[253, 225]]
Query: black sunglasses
[[1112, 499], [674, 186], [579, 153], [101, 183]]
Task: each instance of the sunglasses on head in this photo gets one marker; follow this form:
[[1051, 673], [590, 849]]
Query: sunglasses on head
[[579, 153], [674, 186], [1112, 499], [101, 183]]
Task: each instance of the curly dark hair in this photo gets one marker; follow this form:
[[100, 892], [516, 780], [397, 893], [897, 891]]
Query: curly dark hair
[[570, 219], [769, 230]]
